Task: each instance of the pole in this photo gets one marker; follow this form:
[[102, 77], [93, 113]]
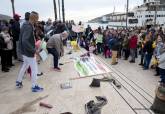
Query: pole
[[59, 6], [63, 11], [13, 8], [155, 15], [55, 10], [127, 14]]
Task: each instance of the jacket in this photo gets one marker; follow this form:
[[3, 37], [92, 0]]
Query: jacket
[[27, 40], [148, 47], [159, 46], [99, 38], [56, 42], [114, 44], [133, 42], [15, 30], [8, 41], [162, 61]]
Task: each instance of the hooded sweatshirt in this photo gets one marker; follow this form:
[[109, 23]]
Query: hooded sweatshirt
[[27, 40]]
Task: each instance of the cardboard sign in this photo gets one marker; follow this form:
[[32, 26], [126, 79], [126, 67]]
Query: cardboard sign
[[43, 55]]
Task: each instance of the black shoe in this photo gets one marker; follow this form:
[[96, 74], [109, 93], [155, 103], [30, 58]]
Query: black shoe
[[8, 66], [20, 60], [5, 70], [61, 64], [12, 65], [141, 64], [156, 74], [40, 74], [132, 61]]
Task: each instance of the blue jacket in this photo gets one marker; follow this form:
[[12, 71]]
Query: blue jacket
[[114, 44]]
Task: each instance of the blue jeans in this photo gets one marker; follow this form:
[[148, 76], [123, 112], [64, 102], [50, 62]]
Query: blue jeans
[[55, 56], [147, 60], [162, 75]]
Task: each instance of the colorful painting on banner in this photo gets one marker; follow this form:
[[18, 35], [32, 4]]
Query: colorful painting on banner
[[89, 66]]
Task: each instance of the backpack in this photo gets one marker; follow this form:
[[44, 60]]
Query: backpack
[[2, 42]]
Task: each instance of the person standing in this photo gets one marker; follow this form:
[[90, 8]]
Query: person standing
[[6, 49], [159, 46], [99, 41], [162, 67], [133, 46], [126, 48], [114, 46], [27, 46], [15, 28], [148, 50], [55, 47]]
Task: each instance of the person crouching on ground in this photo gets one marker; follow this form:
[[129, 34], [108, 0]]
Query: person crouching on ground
[[27, 46], [55, 47]]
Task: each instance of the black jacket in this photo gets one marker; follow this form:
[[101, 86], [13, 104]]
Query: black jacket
[[15, 28], [148, 47]]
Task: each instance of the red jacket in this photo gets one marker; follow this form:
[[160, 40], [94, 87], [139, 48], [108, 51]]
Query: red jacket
[[133, 42]]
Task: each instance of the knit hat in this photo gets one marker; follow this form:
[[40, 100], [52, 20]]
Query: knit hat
[[16, 17]]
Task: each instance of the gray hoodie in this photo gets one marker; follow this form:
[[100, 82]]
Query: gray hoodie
[[56, 42], [27, 40]]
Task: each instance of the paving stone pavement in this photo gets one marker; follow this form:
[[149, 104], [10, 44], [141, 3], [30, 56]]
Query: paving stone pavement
[[135, 96]]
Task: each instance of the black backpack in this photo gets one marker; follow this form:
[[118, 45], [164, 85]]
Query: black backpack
[[2, 42]]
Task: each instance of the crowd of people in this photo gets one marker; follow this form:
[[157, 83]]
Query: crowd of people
[[21, 39], [148, 43]]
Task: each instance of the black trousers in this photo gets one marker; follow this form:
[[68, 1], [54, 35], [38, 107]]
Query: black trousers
[[55, 56], [14, 49], [99, 47], [4, 59], [142, 58], [126, 53], [157, 70], [9, 57]]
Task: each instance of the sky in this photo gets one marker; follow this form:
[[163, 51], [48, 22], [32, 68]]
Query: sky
[[78, 10]]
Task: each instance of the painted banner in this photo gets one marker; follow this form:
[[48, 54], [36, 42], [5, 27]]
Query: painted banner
[[89, 66], [77, 28]]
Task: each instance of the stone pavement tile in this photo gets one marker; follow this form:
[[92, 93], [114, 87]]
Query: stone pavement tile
[[134, 72], [142, 112]]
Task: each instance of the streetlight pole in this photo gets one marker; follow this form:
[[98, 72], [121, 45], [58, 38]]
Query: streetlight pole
[[55, 9], [63, 11], [13, 8], [155, 15], [127, 14], [59, 6]]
